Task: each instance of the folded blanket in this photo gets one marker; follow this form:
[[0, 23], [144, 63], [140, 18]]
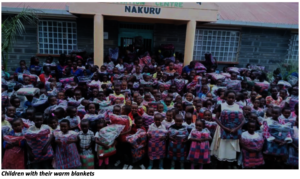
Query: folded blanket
[[28, 91]]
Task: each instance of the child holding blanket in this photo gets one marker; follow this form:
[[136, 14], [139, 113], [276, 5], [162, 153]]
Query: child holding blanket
[[157, 135], [14, 144], [66, 153], [38, 138], [86, 140], [225, 143], [199, 151], [251, 145], [178, 137]]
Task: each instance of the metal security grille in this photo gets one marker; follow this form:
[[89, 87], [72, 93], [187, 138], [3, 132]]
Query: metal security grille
[[293, 48], [56, 37], [222, 44]]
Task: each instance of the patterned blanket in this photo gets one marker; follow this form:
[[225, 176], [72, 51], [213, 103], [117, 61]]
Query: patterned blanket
[[156, 146], [147, 120], [14, 157], [231, 119], [176, 149], [138, 143]]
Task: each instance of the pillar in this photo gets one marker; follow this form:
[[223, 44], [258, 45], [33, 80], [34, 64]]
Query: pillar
[[98, 40], [189, 42]]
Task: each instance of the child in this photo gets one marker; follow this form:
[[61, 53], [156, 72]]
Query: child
[[27, 83], [53, 123], [199, 150], [293, 147], [14, 145], [103, 150], [274, 99], [251, 143], [225, 144], [188, 122], [15, 101], [73, 118], [66, 153], [39, 138], [177, 138], [277, 135], [160, 109], [169, 120], [210, 124], [287, 117], [148, 118], [85, 141], [5, 125], [157, 136], [10, 113], [52, 101], [259, 111], [29, 116], [246, 112]]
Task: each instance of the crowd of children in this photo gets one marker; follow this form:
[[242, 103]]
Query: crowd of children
[[76, 115]]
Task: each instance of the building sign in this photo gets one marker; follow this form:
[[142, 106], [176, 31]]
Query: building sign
[[142, 10]]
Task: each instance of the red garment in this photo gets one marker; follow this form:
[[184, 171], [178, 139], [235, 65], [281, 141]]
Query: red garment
[[131, 116], [43, 79]]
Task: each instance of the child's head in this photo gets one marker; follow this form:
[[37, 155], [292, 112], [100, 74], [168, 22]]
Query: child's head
[[169, 115], [189, 97], [253, 95], [72, 111], [147, 97], [64, 125], [157, 119], [178, 106], [205, 89], [10, 111], [207, 115], [283, 93], [230, 97], [286, 112], [274, 92], [256, 103], [15, 101], [251, 126], [59, 113], [126, 110], [150, 111], [30, 113], [189, 109], [77, 94], [38, 119], [246, 110], [160, 107], [95, 92], [117, 90], [276, 112], [52, 100], [117, 110], [198, 106], [178, 120], [52, 122], [199, 124], [60, 95], [295, 90], [262, 102], [253, 116], [139, 100], [91, 108], [123, 85], [100, 124], [17, 125], [188, 118], [157, 96], [168, 101], [84, 124], [138, 121], [26, 80]]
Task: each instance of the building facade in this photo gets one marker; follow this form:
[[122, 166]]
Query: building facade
[[235, 33]]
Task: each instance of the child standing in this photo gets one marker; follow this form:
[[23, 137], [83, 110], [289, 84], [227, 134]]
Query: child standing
[[178, 137], [157, 136], [14, 145], [251, 145], [287, 117], [39, 138], [169, 120], [199, 150], [85, 140], [66, 153]]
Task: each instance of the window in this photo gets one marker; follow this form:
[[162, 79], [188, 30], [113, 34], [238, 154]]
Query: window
[[56, 37], [293, 48], [222, 44]]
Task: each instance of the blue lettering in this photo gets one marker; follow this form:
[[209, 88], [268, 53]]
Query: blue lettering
[[133, 9], [157, 10], [127, 8], [146, 10], [151, 10], [140, 10]]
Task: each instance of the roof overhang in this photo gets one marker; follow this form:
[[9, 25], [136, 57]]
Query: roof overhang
[[49, 13]]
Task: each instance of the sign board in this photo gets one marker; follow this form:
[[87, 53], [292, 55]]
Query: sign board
[[105, 35]]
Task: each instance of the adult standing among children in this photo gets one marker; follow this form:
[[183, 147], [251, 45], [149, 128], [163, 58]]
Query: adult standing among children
[[187, 69]]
